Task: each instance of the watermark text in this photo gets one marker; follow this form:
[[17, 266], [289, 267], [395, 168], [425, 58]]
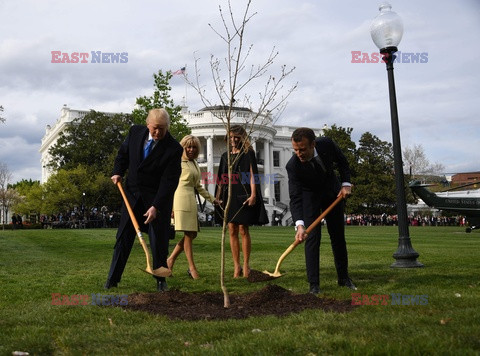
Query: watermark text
[[400, 57], [92, 57], [389, 299], [85, 299]]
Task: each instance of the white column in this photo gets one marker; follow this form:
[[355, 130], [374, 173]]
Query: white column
[[267, 169], [210, 187]]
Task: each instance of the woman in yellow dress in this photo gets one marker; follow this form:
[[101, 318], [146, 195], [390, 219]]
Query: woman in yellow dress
[[185, 203]]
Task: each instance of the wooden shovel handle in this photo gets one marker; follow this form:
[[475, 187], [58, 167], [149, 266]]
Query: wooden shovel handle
[[309, 229], [136, 226], [323, 214], [129, 208]]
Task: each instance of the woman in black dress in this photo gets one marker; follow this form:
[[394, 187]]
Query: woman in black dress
[[246, 207]]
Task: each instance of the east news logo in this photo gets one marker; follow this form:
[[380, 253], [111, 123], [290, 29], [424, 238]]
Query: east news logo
[[84, 57], [400, 57], [383, 299], [84, 299]]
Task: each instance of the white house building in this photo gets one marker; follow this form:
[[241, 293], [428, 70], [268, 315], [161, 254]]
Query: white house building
[[52, 133], [270, 142]]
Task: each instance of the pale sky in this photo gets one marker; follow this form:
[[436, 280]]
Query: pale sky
[[437, 100]]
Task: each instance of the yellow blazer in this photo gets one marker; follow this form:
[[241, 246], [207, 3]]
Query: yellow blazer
[[184, 201]]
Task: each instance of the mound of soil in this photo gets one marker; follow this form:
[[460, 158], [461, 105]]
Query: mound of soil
[[271, 300], [257, 276]]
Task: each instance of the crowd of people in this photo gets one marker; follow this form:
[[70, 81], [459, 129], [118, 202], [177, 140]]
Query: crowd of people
[[17, 222], [413, 220], [75, 219]]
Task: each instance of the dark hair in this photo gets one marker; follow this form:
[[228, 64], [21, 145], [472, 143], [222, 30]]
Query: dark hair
[[302, 132]]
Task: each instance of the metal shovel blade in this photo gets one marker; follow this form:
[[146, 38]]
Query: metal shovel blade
[[290, 248], [158, 272]]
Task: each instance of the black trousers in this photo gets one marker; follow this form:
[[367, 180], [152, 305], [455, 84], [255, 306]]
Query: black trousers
[[336, 230], [126, 234]]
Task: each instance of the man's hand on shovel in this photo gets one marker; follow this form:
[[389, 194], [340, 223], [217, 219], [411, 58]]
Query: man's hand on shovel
[[301, 234], [345, 192]]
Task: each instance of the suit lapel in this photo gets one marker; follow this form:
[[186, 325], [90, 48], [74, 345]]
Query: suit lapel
[[141, 139]]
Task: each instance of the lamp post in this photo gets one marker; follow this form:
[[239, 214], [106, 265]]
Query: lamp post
[[83, 203], [386, 31]]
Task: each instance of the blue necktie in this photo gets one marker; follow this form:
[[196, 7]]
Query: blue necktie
[[147, 148]]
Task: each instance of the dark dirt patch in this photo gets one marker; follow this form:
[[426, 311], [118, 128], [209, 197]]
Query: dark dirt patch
[[271, 300], [257, 276]]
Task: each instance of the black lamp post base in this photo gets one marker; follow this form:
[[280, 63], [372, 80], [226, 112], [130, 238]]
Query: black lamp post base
[[406, 256]]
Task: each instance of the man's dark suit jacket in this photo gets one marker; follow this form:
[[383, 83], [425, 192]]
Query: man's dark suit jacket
[[150, 182], [311, 189], [154, 179]]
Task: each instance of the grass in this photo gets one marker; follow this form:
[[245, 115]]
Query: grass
[[36, 263]]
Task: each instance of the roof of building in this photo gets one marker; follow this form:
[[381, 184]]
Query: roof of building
[[224, 107]]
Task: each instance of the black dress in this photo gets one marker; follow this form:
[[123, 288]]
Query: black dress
[[241, 190]]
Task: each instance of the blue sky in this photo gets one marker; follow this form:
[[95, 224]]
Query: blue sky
[[437, 100]]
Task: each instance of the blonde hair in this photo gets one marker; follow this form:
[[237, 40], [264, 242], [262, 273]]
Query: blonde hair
[[189, 141], [157, 115]]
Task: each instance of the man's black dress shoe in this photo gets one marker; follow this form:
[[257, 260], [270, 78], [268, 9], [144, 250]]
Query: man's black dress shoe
[[314, 289], [347, 282], [162, 285], [109, 284]]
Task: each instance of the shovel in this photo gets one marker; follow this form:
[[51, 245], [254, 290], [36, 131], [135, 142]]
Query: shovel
[[290, 248], [158, 272]]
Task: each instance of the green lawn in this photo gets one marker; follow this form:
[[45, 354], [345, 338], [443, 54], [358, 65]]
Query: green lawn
[[36, 263]]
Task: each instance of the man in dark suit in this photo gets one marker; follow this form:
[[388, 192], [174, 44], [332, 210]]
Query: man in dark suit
[[153, 160], [313, 186]]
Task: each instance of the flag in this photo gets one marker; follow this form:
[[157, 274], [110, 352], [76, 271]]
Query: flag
[[180, 71]]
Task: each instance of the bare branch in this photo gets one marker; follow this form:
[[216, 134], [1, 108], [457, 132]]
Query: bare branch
[[232, 85]]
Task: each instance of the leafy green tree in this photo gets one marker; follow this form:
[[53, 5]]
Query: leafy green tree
[[31, 195], [64, 191], [343, 137], [105, 193], [374, 191], [24, 183], [90, 141], [161, 99]]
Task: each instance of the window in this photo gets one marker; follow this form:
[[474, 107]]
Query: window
[[277, 191], [276, 158]]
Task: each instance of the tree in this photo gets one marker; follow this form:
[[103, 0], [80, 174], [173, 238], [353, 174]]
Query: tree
[[31, 197], [91, 141], [343, 137], [415, 162], [374, 191], [2, 119], [232, 80], [64, 191], [161, 99], [6, 198]]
